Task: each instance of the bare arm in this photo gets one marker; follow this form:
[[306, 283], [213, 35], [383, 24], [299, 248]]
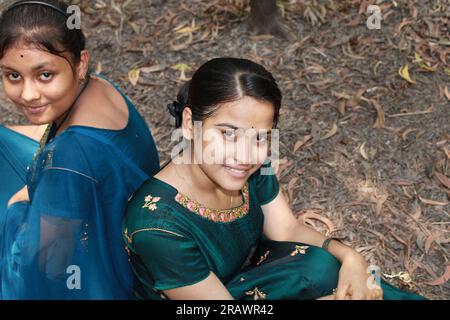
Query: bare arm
[[280, 224], [210, 288]]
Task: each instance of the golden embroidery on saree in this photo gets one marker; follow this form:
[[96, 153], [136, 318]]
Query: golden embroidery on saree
[[216, 215], [299, 250], [257, 294], [264, 257]]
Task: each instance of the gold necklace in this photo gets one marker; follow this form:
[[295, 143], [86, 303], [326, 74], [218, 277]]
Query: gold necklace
[[43, 140]]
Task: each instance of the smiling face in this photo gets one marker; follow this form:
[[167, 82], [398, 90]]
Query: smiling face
[[237, 135], [42, 85]]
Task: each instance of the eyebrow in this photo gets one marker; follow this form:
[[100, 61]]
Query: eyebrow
[[228, 125], [35, 68]]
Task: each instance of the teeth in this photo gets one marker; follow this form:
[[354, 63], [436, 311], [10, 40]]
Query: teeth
[[235, 170]]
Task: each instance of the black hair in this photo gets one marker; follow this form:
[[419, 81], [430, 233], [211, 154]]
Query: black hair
[[43, 26], [223, 80]]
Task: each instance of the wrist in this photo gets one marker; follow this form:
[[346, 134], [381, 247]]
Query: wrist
[[352, 257], [341, 251]]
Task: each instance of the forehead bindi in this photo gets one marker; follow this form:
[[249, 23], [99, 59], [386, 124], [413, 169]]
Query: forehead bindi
[[25, 60]]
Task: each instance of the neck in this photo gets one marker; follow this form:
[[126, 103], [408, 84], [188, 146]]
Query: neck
[[203, 184], [64, 117]]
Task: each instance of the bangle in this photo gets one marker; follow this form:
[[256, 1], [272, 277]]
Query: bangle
[[327, 242]]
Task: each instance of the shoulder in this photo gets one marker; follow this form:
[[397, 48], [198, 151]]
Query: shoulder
[[265, 171], [71, 144], [264, 183], [72, 151], [102, 106], [152, 206]]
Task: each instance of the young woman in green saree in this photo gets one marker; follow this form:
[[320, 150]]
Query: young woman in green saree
[[223, 229]]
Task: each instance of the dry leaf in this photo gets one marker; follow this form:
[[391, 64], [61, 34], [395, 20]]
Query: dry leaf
[[300, 143], [443, 279], [447, 93], [443, 179], [281, 166], [380, 201], [429, 242], [182, 67], [315, 216], [190, 29], [182, 46], [331, 133], [379, 123], [341, 106], [136, 28], [433, 202], [404, 73], [421, 63], [417, 211], [155, 68], [363, 152], [133, 76], [447, 152], [290, 188]]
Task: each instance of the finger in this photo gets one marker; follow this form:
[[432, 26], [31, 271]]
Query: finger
[[341, 291], [379, 294], [359, 296]]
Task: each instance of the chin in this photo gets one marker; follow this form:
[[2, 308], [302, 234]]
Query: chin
[[37, 119], [232, 182], [231, 186]]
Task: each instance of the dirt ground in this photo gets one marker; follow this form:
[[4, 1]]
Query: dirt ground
[[365, 150]]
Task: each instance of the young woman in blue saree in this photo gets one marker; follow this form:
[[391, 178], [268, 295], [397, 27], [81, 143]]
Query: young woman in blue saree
[[222, 229], [61, 230]]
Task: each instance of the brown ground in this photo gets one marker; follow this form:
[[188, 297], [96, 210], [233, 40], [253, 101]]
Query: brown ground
[[360, 146]]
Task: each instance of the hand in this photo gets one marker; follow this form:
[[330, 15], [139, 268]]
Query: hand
[[353, 280], [21, 195]]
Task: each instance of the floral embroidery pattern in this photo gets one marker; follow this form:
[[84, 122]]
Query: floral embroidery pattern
[[299, 249], [257, 294], [216, 215], [264, 257], [150, 202]]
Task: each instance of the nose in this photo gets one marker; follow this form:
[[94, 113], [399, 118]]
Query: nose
[[30, 92], [247, 150]]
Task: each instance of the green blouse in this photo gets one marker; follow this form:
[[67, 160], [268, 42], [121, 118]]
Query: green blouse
[[173, 241]]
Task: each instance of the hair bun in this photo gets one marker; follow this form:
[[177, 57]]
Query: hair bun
[[176, 107], [176, 111]]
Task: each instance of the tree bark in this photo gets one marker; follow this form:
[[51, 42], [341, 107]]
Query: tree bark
[[264, 19]]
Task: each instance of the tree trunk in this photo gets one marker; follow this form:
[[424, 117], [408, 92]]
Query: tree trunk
[[264, 19]]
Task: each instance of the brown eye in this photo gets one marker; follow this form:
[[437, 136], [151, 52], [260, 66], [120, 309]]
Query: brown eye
[[46, 76], [14, 76]]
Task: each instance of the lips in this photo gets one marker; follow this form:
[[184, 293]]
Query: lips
[[237, 172], [35, 110]]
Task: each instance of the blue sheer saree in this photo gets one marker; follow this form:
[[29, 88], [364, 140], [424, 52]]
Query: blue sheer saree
[[66, 242], [16, 151]]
